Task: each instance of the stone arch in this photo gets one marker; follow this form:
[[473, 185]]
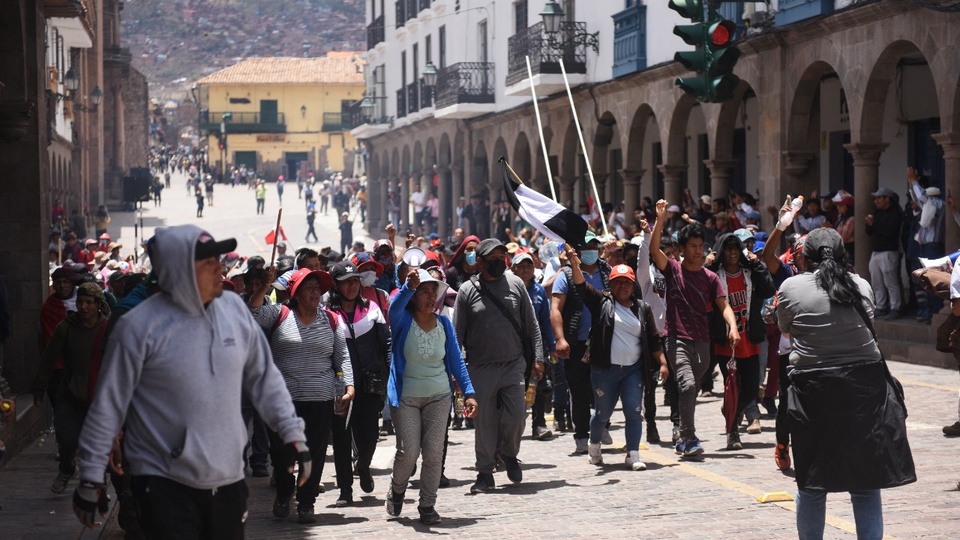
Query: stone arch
[[395, 162], [444, 157], [496, 173], [674, 154], [521, 158], [406, 164], [480, 170], [430, 159], [606, 135], [803, 130], [636, 137], [417, 160], [458, 149], [882, 75]]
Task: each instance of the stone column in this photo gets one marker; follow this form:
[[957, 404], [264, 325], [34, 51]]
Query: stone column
[[456, 191], [673, 182], [601, 180], [631, 191], [950, 142], [720, 171], [384, 216], [566, 184], [404, 205], [373, 203], [796, 165], [443, 193], [866, 162]]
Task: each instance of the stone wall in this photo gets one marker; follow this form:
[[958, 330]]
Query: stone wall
[[136, 97]]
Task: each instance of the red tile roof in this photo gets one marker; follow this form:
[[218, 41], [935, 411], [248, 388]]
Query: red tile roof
[[335, 68]]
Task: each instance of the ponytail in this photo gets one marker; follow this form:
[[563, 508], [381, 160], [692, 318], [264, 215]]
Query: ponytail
[[834, 278]]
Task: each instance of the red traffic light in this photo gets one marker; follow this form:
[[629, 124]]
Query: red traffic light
[[221, 146], [721, 33]]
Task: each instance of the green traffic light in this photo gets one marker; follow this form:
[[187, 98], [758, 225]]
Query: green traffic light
[[693, 85], [688, 9], [723, 87], [692, 60], [691, 34]]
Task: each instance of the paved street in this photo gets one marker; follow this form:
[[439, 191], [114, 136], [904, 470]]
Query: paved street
[[562, 495]]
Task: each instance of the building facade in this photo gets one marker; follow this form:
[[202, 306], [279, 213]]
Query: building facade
[[832, 95], [282, 115]]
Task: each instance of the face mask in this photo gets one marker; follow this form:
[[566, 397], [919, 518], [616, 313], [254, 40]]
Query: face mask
[[589, 256], [470, 257], [496, 267], [368, 278], [385, 260]]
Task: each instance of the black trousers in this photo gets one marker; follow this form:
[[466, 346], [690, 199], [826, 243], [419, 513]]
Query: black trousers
[[172, 511], [364, 430], [783, 425], [318, 419], [581, 394]]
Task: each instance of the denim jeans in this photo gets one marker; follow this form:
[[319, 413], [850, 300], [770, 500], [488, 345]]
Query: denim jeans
[[812, 511], [609, 385]]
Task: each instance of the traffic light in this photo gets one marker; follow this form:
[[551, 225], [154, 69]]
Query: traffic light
[[721, 82], [713, 57]]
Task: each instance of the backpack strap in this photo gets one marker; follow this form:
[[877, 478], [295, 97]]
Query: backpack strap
[[284, 312]]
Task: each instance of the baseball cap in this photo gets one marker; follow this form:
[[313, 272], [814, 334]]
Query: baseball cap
[[933, 191], [590, 237], [381, 243], [673, 208], [326, 281], [91, 290], [488, 245], [744, 235], [281, 282], [753, 214], [207, 247], [706, 199], [622, 270], [364, 262], [65, 272], [522, 256], [884, 192], [344, 271], [512, 247]]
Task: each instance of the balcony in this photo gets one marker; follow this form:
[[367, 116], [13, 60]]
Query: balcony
[[630, 40], [332, 122], [545, 55], [791, 11], [376, 32], [426, 95], [117, 55], [364, 125], [465, 90], [401, 102], [401, 7], [244, 122], [413, 97]]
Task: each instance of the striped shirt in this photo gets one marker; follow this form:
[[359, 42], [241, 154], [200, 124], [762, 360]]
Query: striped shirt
[[308, 356]]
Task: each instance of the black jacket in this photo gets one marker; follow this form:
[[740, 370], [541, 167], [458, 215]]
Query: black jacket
[[885, 231], [763, 288], [848, 429], [601, 306]]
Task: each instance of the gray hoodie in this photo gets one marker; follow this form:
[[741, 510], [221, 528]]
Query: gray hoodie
[[173, 374]]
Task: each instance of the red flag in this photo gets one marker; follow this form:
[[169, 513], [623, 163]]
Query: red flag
[[271, 236]]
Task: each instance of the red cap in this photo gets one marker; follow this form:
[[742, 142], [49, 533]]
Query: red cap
[[622, 270]]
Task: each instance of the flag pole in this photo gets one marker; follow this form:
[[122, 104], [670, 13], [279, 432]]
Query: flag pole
[[543, 143], [583, 146], [276, 235], [512, 172]]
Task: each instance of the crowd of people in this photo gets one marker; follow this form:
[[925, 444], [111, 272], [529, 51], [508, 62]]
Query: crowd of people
[[419, 336]]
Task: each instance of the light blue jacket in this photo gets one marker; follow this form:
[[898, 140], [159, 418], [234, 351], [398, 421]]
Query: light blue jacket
[[400, 320]]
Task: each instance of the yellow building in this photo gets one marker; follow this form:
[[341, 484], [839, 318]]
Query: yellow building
[[282, 115]]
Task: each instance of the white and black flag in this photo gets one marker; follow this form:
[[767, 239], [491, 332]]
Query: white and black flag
[[550, 218]]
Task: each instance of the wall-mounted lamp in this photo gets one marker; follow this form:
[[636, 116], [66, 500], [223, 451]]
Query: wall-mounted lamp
[[96, 97], [71, 80], [303, 111], [552, 16], [430, 74]]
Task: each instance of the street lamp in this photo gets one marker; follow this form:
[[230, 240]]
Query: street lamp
[[96, 97], [303, 111], [71, 80], [224, 118], [430, 74], [366, 106], [552, 16]]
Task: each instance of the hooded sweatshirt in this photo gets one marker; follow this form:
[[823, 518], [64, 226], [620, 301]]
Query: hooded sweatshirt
[[173, 374]]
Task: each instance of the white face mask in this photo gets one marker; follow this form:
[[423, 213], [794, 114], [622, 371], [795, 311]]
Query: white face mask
[[368, 278]]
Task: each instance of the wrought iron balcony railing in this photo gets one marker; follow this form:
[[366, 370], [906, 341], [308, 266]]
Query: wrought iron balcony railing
[[465, 82], [376, 32], [413, 97], [545, 53]]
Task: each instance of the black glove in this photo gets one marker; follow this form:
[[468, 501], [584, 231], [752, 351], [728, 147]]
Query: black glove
[[89, 498], [301, 453]]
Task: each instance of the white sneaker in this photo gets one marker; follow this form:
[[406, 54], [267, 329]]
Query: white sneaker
[[633, 461], [581, 446], [594, 453], [606, 438]]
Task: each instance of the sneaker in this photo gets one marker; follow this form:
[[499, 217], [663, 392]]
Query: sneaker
[[281, 507], [558, 426], [483, 484], [733, 441], [653, 436], [676, 434], [605, 438], [394, 503], [512, 464], [633, 461], [782, 456], [692, 447], [428, 516], [387, 428], [305, 515], [468, 423], [60, 482], [952, 431], [581, 446], [754, 427], [444, 481], [260, 471], [541, 433], [366, 480], [678, 447], [594, 455], [770, 405], [893, 315], [457, 423], [345, 499]]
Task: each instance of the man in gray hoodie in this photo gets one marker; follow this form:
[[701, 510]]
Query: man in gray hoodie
[[173, 373]]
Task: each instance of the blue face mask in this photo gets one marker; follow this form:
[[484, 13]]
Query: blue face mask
[[470, 257], [589, 256]]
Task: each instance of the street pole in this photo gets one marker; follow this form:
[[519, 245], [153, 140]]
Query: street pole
[[223, 149]]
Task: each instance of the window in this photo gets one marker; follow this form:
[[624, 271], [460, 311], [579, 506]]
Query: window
[[403, 68], [416, 61], [519, 16], [427, 49], [442, 38], [482, 37]]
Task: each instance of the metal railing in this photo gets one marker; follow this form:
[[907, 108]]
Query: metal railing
[[353, 115], [243, 122], [413, 97], [545, 53], [426, 95], [332, 121], [424, 4], [465, 82], [401, 102], [376, 32]]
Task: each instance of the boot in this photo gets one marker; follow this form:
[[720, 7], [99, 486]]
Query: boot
[[593, 452]]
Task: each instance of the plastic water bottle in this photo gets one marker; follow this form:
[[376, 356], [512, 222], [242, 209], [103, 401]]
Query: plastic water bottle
[[787, 219], [531, 394]]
